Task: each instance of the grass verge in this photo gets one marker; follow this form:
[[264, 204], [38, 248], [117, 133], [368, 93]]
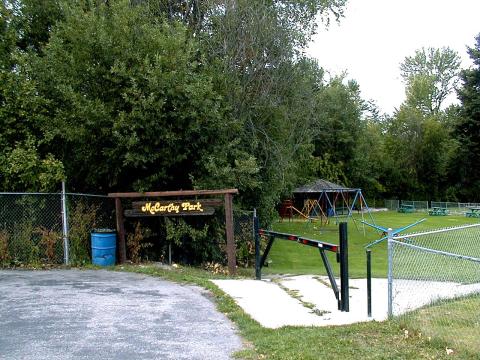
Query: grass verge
[[454, 322], [373, 340]]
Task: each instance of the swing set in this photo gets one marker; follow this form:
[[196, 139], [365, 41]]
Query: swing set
[[324, 200]]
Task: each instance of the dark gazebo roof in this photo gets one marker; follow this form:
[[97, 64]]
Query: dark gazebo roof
[[319, 186]]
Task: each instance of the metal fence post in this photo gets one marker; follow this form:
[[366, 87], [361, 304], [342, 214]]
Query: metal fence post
[[258, 269], [390, 272], [66, 252]]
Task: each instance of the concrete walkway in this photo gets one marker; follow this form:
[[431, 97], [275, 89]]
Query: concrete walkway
[[308, 300], [72, 314], [304, 300]]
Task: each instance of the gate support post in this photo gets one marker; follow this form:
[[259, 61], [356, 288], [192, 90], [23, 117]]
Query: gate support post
[[231, 251], [258, 268], [122, 251], [344, 287]]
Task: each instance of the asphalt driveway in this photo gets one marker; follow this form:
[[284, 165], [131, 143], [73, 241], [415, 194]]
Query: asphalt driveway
[[74, 314]]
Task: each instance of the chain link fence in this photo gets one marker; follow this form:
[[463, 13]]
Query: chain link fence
[[434, 283], [392, 204], [454, 207], [86, 213], [31, 227], [244, 237], [457, 208], [417, 205]]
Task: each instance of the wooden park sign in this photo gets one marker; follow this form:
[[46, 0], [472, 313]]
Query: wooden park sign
[[189, 206]]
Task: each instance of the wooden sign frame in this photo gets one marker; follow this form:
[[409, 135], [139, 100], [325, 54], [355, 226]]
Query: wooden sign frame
[[187, 195]]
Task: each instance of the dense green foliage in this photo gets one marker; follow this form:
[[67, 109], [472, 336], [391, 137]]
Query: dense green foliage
[[465, 174], [144, 95], [156, 95]]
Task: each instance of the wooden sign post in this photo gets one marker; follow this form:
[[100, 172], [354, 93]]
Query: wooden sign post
[[185, 207]]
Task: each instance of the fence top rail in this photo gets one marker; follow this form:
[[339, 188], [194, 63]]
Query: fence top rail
[[50, 193], [438, 252], [90, 195], [29, 193], [413, 235], [173, 193]]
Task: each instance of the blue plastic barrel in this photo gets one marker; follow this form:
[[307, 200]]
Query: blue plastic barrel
[[104, 244]]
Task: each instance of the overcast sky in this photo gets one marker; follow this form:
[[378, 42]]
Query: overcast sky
[[375, 36]]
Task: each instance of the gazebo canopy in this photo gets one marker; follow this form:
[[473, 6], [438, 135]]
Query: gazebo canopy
[[321, 186]]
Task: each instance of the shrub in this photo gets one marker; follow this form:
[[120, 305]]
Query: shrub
[[50, 240], [135, 242], [4, 253], [22, 246], [82, 220]]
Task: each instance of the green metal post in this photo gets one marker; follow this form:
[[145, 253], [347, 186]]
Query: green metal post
[[369, 282]]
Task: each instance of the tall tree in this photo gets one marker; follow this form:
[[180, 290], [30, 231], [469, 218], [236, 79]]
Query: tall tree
[[33, 21], [465, 168], [129, 104], [403, 141], [257, 48], [338, 123], [367, 168], [7, 37], [430, 75], [25, 162], [166, 93], [419, 148], [419, 143]]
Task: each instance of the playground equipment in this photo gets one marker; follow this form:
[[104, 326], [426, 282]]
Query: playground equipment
[[288, 210], [302, 214], [313, 208], [341, 252], [323, 200]]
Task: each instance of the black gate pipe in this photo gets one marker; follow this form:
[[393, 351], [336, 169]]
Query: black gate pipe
[[333, 283], [271, 239], [341, 252], [344, 286]]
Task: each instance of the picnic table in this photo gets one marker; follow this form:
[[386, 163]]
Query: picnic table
[[406, 208], [438, 211], [473, 212]]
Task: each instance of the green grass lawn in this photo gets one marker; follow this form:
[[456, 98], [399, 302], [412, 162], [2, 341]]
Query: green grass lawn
[[454, 322], [291, 258]]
